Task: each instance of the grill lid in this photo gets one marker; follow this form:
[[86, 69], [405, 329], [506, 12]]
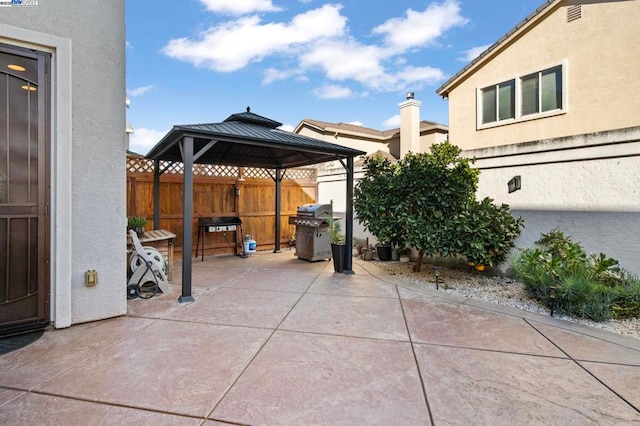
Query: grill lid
[[315, 210]]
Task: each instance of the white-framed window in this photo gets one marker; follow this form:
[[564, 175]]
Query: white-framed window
[[499, 102], [541, 91], [532, 95]]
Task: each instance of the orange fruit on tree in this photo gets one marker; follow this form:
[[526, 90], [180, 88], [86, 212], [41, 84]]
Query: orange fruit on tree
[[480, 268]]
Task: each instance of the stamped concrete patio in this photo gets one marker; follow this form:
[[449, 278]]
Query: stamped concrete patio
[[275, 340]]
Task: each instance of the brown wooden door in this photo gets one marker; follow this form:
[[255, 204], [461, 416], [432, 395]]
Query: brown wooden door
[[24, 189]]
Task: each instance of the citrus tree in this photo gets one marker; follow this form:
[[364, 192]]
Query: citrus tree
[[436, 190], [376, 198], [428, 201]]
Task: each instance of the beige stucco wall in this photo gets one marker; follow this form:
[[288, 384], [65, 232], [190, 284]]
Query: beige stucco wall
[[602, 54], [427, 138], [391, 145], [87, 42]]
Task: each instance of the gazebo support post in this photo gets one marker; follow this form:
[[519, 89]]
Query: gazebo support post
[[348, 265], [187, 218], [278, 209], [156, 193]]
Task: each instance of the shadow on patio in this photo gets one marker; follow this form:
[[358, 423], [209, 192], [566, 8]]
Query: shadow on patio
[[272, 339]]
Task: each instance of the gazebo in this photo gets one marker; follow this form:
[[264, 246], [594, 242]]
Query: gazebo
[[244, 140]]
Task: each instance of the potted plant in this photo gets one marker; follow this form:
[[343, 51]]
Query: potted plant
[[338, 244], [403, 254], [384, 251], [137, 223]]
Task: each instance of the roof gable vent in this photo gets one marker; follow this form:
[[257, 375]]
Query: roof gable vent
[[574, 12]]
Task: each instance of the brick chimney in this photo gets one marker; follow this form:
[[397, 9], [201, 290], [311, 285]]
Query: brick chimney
[[409, 125]]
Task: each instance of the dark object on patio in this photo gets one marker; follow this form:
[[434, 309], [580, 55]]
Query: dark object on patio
[[232, 224], [384, 253], [338, 253], [11, 343]]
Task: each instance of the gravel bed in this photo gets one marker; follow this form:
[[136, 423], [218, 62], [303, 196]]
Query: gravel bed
[[494, 289]]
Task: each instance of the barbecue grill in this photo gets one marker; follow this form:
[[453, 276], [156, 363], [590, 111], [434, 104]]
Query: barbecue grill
[[231, 224], [312, 231]]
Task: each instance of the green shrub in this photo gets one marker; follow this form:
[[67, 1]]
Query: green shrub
[[586, 286], [490, 234], [134, 222], [625, 300]]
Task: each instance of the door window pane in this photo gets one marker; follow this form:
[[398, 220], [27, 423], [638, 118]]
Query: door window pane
[[18, 176], [4, 143]]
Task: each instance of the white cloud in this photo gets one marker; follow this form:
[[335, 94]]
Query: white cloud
[[356, 123], [348, 60], [272, 74], [471, 54], [333, 91], [319, 41], [140, 90], [419, 75], [142, 140], [420, 29], [240, 7], [234, 44], [287, 128], [392, 121]]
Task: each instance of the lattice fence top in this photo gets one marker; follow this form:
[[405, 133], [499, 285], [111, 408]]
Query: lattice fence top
[[144, 165]]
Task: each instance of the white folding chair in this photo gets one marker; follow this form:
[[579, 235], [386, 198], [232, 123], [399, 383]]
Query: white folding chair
[[149, 269]]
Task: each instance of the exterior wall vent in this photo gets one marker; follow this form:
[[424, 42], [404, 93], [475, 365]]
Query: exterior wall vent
[[574, 12]]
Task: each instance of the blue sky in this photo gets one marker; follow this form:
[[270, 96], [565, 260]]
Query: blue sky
[[351, 61]]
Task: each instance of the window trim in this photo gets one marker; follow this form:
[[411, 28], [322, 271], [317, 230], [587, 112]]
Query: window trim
[[496, 92], [519, 117]]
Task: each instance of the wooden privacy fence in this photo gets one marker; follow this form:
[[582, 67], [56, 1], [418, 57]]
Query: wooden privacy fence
[[220, 191]]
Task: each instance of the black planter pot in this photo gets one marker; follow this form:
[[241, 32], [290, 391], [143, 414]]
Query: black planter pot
[[337, 253], [384, 253]]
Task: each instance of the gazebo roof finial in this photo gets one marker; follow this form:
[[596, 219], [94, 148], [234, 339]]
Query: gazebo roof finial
[[248, 109]]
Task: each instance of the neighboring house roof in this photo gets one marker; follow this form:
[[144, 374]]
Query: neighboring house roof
[[362, 132], [531, 20], [360, 160], [384, 155]]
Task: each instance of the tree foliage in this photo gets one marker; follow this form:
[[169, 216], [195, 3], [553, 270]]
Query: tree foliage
[[375, 200], [427, 200], [490, 233]]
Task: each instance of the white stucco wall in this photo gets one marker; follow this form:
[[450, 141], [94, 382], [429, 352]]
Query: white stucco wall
[[332, 189], [587, 185], [87, 40]]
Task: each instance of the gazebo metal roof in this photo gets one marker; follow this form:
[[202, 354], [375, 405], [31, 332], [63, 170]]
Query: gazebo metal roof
[[249, 140], [244, 140]]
